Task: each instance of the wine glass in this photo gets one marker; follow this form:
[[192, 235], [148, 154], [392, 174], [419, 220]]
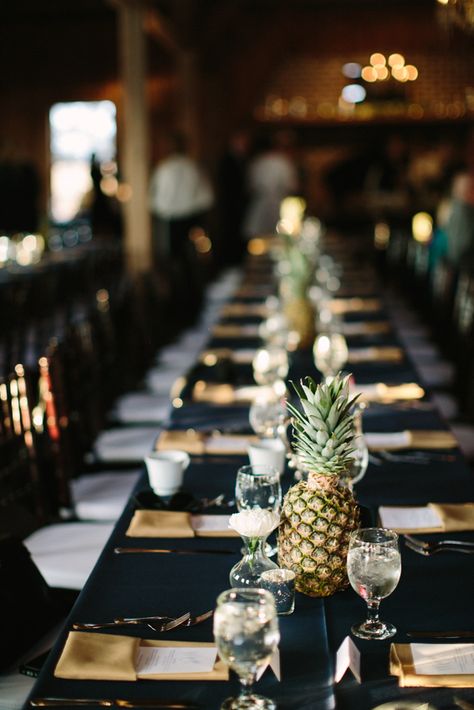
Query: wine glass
[[246, 635], [270, 364], [361, 452], [268, 417], [258, 487], [374, 568], [330, 353]]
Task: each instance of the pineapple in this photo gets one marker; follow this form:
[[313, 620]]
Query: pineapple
[[298, 309], [319, 514]]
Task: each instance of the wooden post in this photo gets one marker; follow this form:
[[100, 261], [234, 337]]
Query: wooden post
[[135, 138]]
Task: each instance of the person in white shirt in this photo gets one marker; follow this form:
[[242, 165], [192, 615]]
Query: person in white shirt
[[272, 176], [180, 196]]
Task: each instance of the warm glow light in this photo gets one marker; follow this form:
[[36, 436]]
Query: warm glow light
[[400, 74], [257, 246], [381, 236], [377, 59], [382, 72], [443, 2], [369, 74], [412, 72], [396, 60], [422, 227]]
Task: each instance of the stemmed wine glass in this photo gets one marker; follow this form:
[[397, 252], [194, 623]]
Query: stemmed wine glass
[[268, 417], [374, 568], [330, 353], [246, 635], [270, 364]]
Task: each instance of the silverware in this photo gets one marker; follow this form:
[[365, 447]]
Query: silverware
[[431, 548], [113, 703], [441, 634], [155, 626], [149, 620], [164, 551]]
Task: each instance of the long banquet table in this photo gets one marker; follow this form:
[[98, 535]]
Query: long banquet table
[[434, 592]]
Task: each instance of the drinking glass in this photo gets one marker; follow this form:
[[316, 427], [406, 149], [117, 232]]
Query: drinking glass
[[246, 635], [330, 353], [269, 365], [268, 417], [374, 568], [258, 487]]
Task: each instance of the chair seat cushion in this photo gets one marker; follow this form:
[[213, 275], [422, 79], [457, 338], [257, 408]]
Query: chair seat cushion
[[125, 444], [103, 496], [66, 553]]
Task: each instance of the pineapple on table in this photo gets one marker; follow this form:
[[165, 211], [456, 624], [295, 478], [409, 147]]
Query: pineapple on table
[[298, 309], [320, 513]]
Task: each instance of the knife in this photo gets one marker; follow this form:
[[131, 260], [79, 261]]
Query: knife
[[441, 634], [139, 550], [113, 703]]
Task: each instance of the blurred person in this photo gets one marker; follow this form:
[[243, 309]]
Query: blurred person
[[232, 198], [180, 197], [272, 176], [460, 222], [386, 181]]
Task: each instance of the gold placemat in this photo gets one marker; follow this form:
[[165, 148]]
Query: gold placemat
[[365, 328], [229, 330], [375, 354], [455, 517], [414, 439], [401, 665], [380, 392], [225, 393], [244, 309], [96, 656]]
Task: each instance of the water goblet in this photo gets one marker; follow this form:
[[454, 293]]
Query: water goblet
[[330, 353], [246, 635], [270, 364], [374, 568]]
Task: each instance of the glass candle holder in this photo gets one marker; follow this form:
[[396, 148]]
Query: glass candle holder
[[281, 583]]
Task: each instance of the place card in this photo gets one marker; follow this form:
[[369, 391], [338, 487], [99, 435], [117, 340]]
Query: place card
[[274, 664], [202, 524], [407, 519], [387, 440], [183, 659], [347, 658], [443, 659]]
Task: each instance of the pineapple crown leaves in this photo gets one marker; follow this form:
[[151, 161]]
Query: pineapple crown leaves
[[324, 430]]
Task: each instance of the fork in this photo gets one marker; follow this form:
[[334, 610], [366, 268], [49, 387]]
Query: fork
[[155, 625], [148, 621], [431, 548]]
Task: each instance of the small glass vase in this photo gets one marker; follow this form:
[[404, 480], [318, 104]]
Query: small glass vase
[[246, 573]]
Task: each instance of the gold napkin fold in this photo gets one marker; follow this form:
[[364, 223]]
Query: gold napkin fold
[[375, 354], [223, 330], [170, 523], [91, 656], [401, 665], [225, 393], [95, 656], [380, 392], [339, 306], [197, 443], [365, 327], [244, 309], [455, 516], [191, 441], [414, 439], [160, 523]]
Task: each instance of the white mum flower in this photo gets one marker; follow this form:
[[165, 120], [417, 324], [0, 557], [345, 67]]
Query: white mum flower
[[256, 522]]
